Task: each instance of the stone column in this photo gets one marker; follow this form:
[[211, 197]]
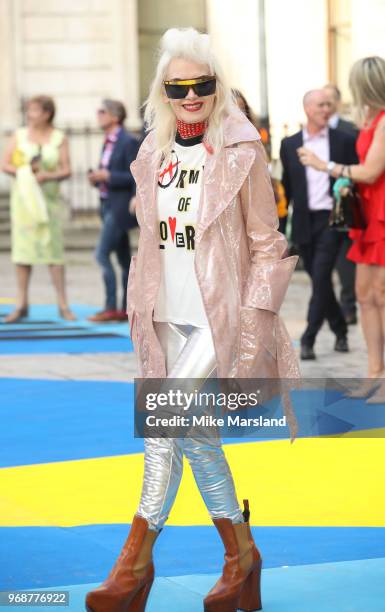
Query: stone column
[[368, 19], [233, 28], [8, 93], [296, 40], [127, 59]]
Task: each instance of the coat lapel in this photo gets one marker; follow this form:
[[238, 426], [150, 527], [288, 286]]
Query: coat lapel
[[145, 172], [223, 177]]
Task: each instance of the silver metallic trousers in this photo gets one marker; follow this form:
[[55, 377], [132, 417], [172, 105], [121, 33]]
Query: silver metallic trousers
[[189, 353]]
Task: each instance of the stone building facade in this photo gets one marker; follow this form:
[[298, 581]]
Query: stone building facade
[[80, 51]]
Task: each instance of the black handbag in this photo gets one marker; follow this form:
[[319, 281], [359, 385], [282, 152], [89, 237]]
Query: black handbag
[[347, 212]]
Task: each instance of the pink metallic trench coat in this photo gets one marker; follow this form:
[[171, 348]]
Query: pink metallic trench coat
[[240, 262]]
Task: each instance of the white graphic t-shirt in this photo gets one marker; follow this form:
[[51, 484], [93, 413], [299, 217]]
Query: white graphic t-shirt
[[179, 298]]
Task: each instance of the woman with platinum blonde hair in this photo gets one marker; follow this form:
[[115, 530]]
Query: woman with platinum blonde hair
[[204, 293], [161, 117], [367, 84]]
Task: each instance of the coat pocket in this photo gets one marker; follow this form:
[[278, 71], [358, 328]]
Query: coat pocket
[[131, 292], [257, 344]]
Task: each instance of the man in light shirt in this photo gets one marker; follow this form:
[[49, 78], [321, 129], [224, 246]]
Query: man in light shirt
[[310, 192]]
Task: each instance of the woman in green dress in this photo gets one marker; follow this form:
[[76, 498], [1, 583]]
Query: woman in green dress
[[37, 156]]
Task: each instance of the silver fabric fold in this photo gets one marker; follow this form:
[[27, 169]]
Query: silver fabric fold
[[190, 354]]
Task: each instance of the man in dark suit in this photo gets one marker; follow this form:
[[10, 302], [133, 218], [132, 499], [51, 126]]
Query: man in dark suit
[[311, 194], [116, 187], [346, 269]]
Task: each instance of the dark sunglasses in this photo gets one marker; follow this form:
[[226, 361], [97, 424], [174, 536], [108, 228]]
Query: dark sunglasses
[[177, 90]]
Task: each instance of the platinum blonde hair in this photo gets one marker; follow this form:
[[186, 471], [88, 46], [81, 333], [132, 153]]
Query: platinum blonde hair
[[367, 84], [189, 44]]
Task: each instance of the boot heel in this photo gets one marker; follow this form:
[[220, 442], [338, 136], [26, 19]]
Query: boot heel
[[250, 598], [228, 606], [138, 604]]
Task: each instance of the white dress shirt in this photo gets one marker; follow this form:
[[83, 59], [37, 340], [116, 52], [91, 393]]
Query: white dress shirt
[[318, 183], [333, 120]]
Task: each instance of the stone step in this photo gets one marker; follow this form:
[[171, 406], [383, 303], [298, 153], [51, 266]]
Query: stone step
[[5, 226], [4, 214]]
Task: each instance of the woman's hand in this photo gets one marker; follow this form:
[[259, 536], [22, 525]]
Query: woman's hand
[[341, 187], [43, 177], [35, 166], [308, 158], [101, 175]]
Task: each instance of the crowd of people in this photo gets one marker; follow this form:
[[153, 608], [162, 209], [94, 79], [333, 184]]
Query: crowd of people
[[326, 148], [338, 162]]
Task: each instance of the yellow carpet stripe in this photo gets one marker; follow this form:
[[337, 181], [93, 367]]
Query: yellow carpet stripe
[[325, 482]]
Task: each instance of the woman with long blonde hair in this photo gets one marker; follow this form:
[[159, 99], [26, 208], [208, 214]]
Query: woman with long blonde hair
[[203, 298], [367, 84]]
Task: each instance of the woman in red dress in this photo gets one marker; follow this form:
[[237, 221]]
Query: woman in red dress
[[367, 84]]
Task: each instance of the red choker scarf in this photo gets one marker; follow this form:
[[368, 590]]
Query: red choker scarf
[[189, 130]]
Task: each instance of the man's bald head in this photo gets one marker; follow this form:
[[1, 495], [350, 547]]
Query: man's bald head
[[312, 95], [317, 108]]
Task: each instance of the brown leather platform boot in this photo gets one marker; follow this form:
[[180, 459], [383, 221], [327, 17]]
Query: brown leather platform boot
[[239, 587], [129, 583]]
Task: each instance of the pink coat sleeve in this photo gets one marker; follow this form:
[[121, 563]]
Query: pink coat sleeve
[[270, 268]]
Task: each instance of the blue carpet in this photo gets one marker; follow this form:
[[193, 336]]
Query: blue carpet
[[120, 329], [350, 586], [45, 556], [84, 345], [54, 334], [50, 420], [54, 420], [45, 318], [49, 311]]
